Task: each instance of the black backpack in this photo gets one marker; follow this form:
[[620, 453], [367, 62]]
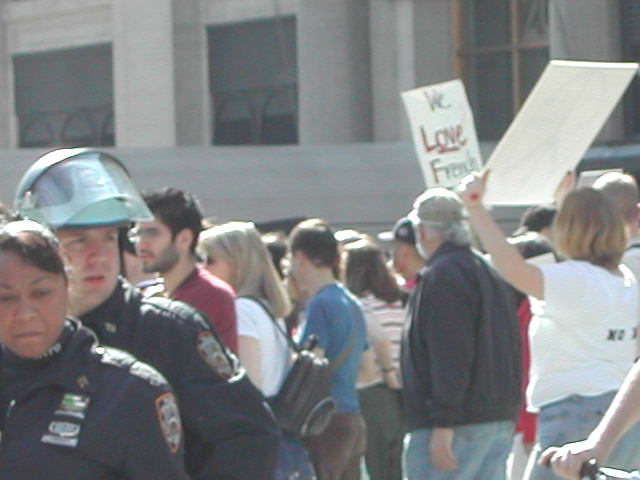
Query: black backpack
[[303, 406]]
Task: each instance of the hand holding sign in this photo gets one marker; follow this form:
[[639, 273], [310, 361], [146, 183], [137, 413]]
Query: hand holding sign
[[472, 188], [567, 184]]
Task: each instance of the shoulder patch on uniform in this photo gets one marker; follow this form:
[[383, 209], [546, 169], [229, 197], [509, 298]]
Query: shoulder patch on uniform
[[148, 373], [169, 418], [121, 359], [213, 353], [115, 357]]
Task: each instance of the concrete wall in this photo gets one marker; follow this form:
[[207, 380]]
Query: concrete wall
[[361, 185], [355, 57]]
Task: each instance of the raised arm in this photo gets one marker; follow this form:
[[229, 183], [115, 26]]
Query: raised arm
[[505, 257]]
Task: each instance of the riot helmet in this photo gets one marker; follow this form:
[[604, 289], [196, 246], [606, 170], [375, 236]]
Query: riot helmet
[[79, 187]]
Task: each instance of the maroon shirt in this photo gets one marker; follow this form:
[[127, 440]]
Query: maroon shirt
[[213, 297]]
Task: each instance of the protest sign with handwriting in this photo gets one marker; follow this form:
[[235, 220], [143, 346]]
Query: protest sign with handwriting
[[443, 131]]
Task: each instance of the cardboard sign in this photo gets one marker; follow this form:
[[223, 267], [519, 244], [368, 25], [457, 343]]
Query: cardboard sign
[[556, 125], [443, 131]]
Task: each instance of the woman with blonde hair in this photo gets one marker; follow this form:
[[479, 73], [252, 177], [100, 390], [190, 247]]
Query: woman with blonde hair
[[236, 253], [583, 328]]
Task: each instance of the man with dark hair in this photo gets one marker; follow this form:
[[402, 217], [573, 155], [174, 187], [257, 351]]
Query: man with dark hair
[[533, 237], [86, 196], [335, 320], [166, 245]]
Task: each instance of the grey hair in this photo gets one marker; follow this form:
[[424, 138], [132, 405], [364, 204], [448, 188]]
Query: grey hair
[[455, 232]]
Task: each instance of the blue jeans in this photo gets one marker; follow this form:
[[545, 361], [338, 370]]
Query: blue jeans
[[293, 460], [481, 450], [573, 419]]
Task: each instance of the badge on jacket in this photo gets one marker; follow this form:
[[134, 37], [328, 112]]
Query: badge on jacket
[[62, 433], [64, 429], [213, 354], [73, 405], [169, 417]]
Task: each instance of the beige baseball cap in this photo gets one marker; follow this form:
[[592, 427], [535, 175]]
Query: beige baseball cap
[[437, 205]]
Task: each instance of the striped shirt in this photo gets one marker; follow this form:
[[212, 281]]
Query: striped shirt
[[388, 316]]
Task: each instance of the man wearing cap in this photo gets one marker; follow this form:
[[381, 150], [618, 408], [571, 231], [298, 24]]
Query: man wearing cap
[[460, 354], [86, 196], [407, 261]]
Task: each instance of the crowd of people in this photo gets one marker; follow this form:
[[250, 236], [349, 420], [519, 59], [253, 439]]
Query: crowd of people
[[140, 341]]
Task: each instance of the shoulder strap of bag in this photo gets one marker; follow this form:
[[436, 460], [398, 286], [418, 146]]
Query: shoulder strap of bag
[[334, 364], [282, 331], [345, 353]]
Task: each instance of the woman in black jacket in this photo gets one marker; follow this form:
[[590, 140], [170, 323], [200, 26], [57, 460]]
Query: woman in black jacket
[[70, 409]]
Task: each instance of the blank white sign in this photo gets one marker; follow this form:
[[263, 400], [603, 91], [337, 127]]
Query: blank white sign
[[552, 131]]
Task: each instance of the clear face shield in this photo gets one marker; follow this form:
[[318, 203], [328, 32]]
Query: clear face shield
[[85, 191]]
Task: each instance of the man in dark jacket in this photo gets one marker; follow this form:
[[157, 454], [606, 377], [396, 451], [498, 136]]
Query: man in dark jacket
[[86, 195], [460, 354]]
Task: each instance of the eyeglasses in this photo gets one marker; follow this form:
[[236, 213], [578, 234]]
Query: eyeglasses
[[137, 234]]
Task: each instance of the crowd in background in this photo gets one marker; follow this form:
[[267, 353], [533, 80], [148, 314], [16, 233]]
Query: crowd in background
[[435, 333]]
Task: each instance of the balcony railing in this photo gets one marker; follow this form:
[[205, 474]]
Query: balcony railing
[[81, 126]]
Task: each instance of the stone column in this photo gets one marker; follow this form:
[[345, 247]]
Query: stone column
[[8, 120], [160, 93], [190, 61], [588, 30], [434, 41], [392, 66], [334, 71]]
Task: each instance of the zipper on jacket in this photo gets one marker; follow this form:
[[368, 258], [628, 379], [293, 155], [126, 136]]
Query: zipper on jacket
[[7, 414]]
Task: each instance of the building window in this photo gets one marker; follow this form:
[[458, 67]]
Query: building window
[[630, 16], [503, 47], [253, 82], [65, 98]]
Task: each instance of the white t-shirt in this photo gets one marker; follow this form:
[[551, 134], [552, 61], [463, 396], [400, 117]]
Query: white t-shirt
[[254, 322], [631, 257], [582, 336]]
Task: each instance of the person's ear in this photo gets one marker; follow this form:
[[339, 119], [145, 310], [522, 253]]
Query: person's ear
[[422, 233], [183, 239], [300, 257]]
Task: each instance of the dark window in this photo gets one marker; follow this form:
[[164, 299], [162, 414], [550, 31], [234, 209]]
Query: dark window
[[253, 82], [505, 47], [630, 14], [65, 98]]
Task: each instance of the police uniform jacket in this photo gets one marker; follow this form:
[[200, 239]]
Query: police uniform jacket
[[230, 432], [87, 412]]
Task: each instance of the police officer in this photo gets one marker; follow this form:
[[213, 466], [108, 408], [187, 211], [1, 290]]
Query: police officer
[[71, 409], [86, 195]]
